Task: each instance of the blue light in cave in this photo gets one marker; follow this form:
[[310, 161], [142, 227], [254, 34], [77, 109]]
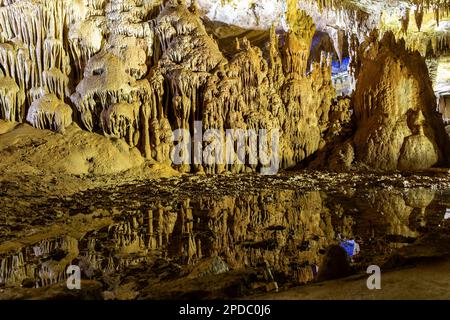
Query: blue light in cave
[[315, 42], [338, 67]]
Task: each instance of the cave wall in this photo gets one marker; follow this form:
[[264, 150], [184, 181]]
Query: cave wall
[[137, 70]]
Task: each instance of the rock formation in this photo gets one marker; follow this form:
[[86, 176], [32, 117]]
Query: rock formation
[[395, 109], [139, 70], [49, 112]]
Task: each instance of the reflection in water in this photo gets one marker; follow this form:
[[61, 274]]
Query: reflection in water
[[285, 231]]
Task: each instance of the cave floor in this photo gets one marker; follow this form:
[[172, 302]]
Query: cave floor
[[428, 280], [227, 236]]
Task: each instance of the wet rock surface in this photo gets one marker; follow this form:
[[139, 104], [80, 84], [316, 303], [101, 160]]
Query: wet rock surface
[[217, 237]]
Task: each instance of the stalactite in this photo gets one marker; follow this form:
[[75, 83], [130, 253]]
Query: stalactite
[[418, 14], [56, 82], [276, 75], [338, 37], [405, 20], [136, 70], [437, 15], [12, 99]]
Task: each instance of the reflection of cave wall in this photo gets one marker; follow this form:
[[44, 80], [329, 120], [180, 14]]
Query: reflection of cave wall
[[246, 232], [287, 230]]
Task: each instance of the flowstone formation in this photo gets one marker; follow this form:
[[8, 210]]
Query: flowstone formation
[[395, 124], [395, 109]]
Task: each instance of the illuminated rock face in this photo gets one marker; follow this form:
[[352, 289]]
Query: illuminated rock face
[[395, 109], [51, 113], [137, 70]]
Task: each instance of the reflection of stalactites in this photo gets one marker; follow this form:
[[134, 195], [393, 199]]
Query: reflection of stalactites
[[152, 242], [251, 229], [128, 238], [160, 223], [189, 247], [303, 275], [37, 263], [13, 269], [110, 267]]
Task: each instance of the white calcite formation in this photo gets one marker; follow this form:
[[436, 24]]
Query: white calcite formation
[[138, 69], [49, 112]]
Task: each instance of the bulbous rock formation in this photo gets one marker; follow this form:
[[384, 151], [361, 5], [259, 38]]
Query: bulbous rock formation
[[51, 113]]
